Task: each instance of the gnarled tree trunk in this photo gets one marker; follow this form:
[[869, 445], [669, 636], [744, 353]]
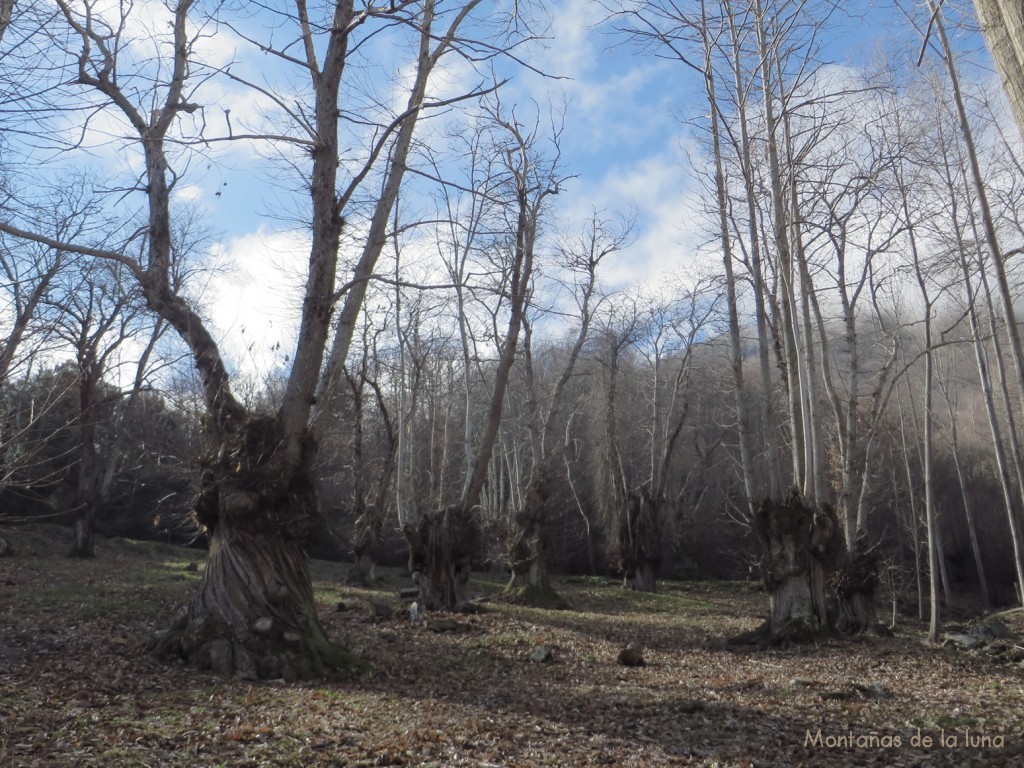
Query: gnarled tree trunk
[[441, 551], [855, 584], [254, 614], [530, 582], [367, 539], [802, 543], [640, 543]]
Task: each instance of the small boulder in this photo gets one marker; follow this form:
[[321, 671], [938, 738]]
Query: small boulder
[[388, 635], [630, 656], [961, 639], [999, 629], [379, 610], [872, 690], [541, 655]]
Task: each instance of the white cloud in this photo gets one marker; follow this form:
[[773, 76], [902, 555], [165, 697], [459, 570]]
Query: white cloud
[[188, 192], [254, 302]]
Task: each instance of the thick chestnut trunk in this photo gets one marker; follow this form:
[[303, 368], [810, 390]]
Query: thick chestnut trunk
[[254, 614], [855, 585], [441, 549], [364, 572], [640, 543], [802, 543], [530, 583]]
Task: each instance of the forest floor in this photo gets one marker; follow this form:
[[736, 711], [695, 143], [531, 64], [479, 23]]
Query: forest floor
[[77, 689]]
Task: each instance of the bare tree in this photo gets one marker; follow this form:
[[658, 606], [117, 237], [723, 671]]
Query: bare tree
[[529, 550], [98, 314], [6, 10], [442, 543]]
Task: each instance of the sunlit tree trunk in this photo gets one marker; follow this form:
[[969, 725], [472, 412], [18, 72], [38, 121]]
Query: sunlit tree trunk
[[1002, 22], [931, 514], [530, 581]]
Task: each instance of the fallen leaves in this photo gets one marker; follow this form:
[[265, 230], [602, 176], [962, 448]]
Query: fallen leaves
[[76, 690]]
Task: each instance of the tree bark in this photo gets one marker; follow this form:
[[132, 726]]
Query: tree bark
[[530, 582], [1002, 23], [802, 543], [254, 614], [640, 538], [856, 584], [441, 548], [84, 503]]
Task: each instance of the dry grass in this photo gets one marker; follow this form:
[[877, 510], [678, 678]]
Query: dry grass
[[76, 689]]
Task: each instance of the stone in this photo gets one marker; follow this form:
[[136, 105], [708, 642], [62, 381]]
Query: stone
[[379, 610], [263, 625], [388, 635], [292, 637], [999, 629], [872, 690], [541, 655], [5, 548], [961, 639], [444, 624], [630, 656]]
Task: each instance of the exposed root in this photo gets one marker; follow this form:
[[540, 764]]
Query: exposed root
[[267, 653], [536, 597]]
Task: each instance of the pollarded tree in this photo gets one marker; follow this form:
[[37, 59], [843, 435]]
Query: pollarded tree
[[526, 174], [529, 551]]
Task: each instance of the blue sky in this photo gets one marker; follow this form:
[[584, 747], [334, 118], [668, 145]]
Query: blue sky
[[624, 140]]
